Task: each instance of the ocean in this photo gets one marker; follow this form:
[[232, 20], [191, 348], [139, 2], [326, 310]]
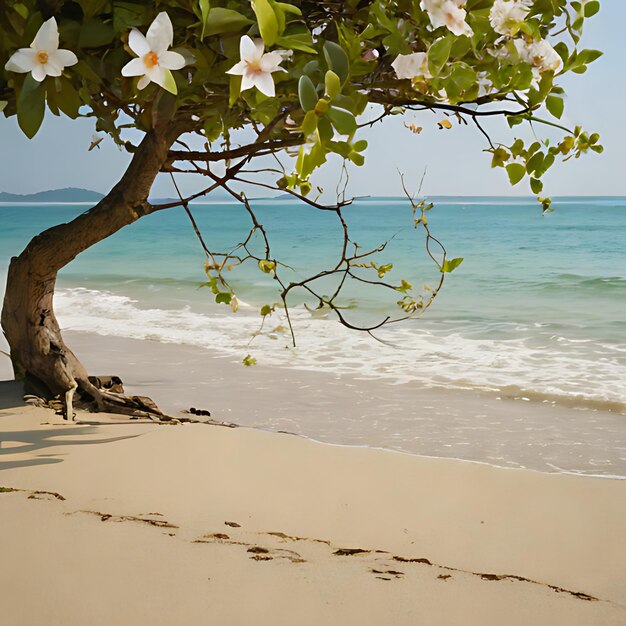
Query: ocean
[[537, 310]]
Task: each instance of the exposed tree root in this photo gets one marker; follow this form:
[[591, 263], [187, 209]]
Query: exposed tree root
[[105, 394]]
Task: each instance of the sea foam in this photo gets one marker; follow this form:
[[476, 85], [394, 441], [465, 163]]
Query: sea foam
[[534, 363]]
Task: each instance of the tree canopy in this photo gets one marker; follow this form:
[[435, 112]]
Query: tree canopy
[[300, 73]]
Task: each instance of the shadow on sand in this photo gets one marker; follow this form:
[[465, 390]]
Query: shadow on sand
[[36, 446], [11, 394]]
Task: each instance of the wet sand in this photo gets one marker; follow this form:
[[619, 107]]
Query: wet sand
[[375, 413]]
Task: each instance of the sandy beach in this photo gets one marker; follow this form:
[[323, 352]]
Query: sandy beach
[[107, 522]]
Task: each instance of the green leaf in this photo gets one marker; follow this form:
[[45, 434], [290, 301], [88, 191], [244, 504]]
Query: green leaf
[[516, 172], [332, 84], [309, 124], [205, 8], [591, 8], [337, 60], [94, 33], [307, 93], [357, 159], [249, 361], [234, 90], [536, 185], [267, 267], [535, 163], [290, 8], [170, 83], [21, 10], [439, 53], [297, 41], [451, 265], [223, 297], [222, 21], [31, 106], [267, 21], [587, 56], [343, 121], [555, 105], [67, 99]]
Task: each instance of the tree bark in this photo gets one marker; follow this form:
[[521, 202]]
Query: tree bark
[[38, 351]]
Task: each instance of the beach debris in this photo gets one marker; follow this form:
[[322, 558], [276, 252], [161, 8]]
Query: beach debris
[[106, 517], [444, 576], [233, 524], [285, 537], [45, 495], [389, 572], [203, 412], [258, 550], [222, 536], [350, 551], [261, 557], [402, 559]]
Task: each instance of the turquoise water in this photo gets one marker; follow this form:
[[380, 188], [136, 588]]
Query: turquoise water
[[537, 309]]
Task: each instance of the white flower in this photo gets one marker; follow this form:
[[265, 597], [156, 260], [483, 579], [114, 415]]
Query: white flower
[[155, 61], [412, 65], [255, 67], [506, 15], [540, 54], [43, 58], [448, 13]]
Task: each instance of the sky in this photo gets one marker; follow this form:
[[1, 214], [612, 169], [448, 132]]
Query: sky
[[453, 160]]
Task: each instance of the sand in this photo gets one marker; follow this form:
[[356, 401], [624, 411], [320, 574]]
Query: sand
[[195, 524], [343, 409]]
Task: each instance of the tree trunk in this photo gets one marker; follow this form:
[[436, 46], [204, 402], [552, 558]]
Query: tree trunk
[[37, 349]]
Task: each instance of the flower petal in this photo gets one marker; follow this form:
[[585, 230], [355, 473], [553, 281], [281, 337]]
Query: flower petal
[[238, 69], [136, 67], [39, 72], [21, 61], [172, 60], [51, 68], [138, 43], [271, 61], [143, 82], [47, 37], [249, 50], [265, 84], [247, 81], [156, 74], [160, 35], [163, 77], [63, 58]]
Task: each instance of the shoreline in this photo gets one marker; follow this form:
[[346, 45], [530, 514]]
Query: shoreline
[[192, 524], [346, 411]]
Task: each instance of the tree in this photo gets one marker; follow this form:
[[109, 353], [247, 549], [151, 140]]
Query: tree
[[300, 76]]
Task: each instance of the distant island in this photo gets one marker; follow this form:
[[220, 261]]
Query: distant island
[[74, 194], [69, 194]]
